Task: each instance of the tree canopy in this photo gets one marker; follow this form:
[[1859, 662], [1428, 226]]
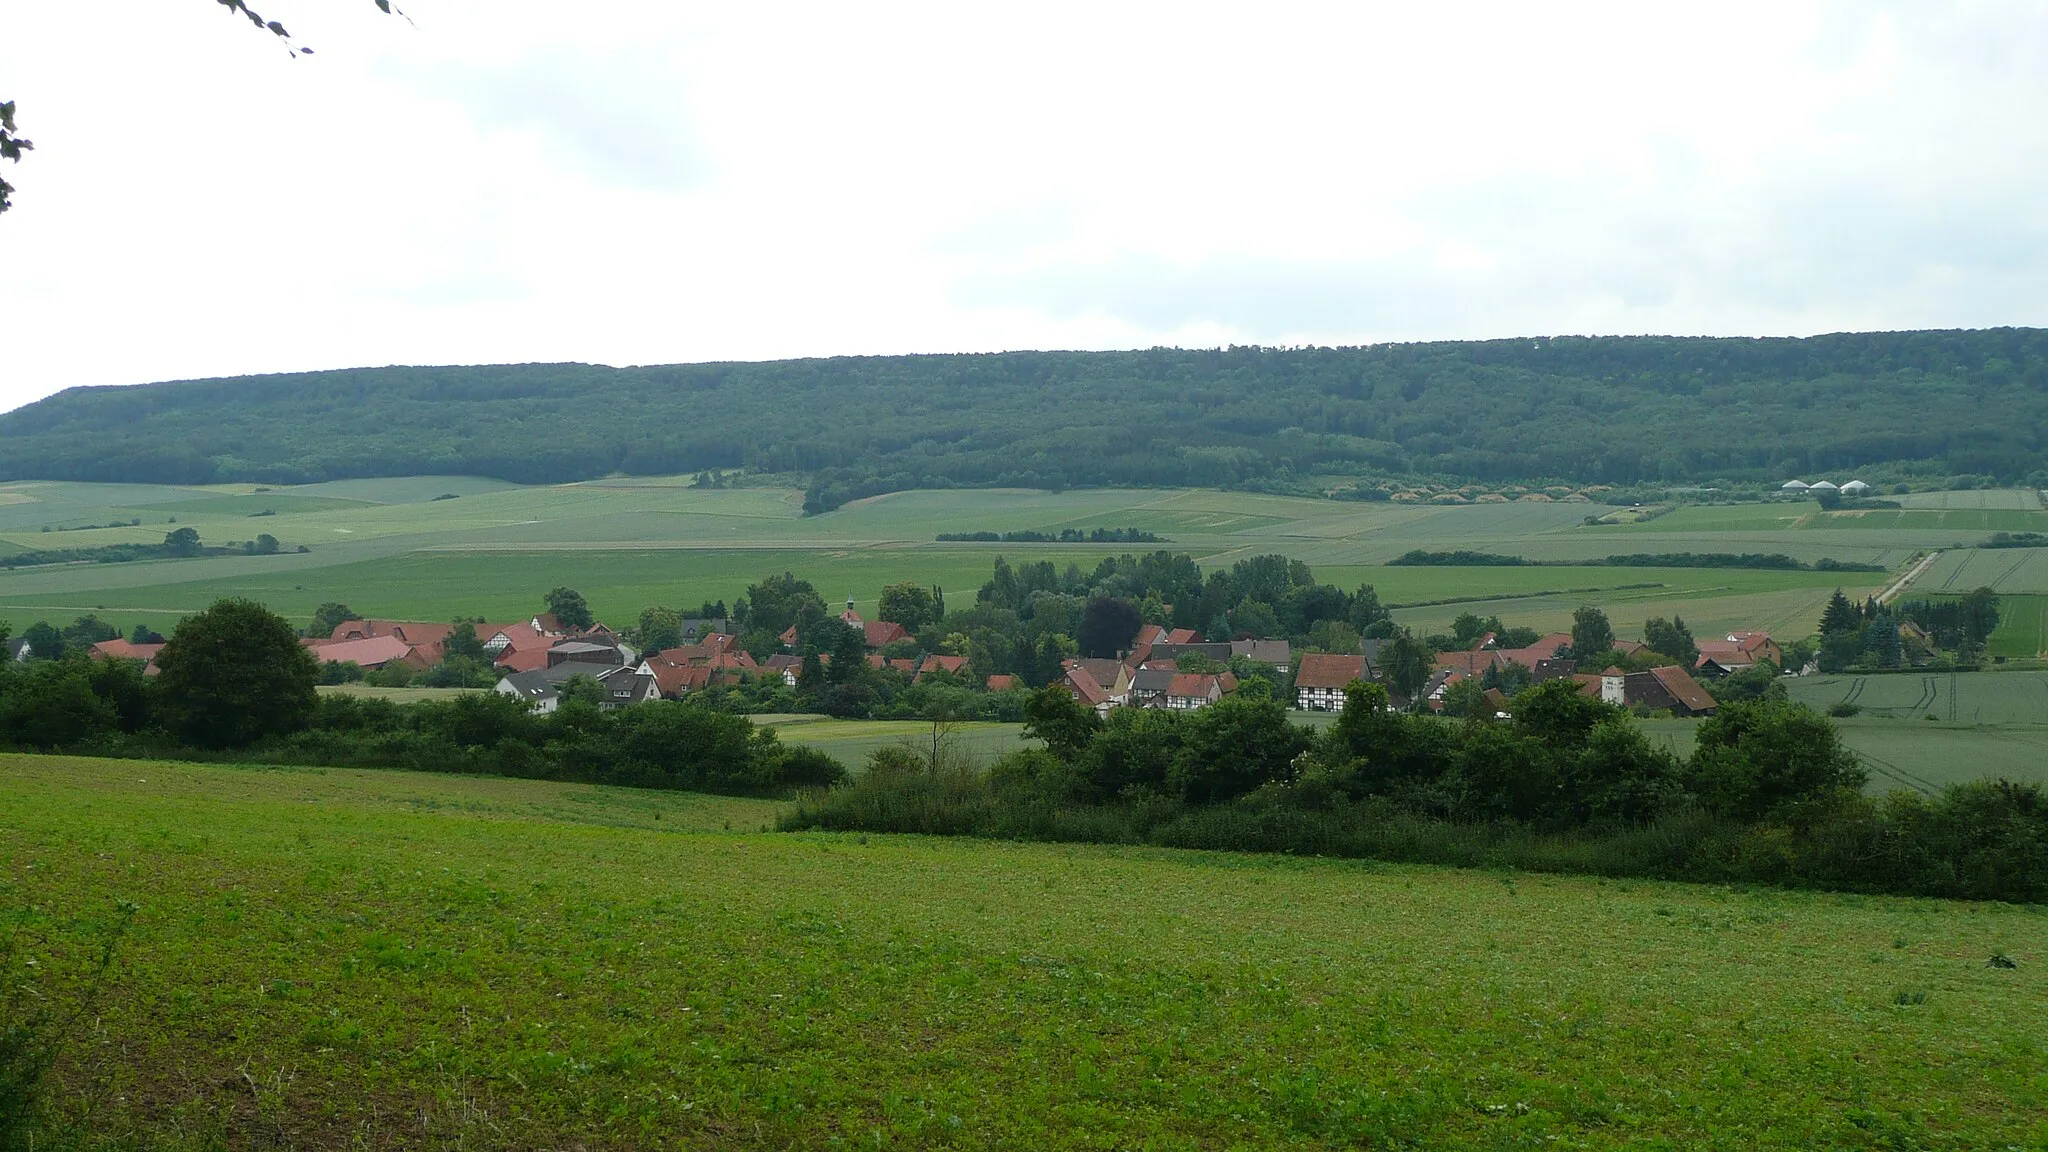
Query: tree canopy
[[1617, 410], [233, 674]]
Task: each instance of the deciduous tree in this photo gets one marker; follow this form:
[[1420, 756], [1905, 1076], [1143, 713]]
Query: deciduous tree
[[1590, 630], [233, 674], [569, 609]]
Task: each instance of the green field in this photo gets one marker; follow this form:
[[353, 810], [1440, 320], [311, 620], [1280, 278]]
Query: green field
[[388, 548], [851, 741], [2003, 570], [371, 959], [2022, 628], [396, 695], [2027, 499], [1971, 697]]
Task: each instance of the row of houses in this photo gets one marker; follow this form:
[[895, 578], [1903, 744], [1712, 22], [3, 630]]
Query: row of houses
[[1320, 681], [1149, 674]]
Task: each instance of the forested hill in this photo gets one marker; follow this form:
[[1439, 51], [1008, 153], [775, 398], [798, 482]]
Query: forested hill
[[1608, 409]]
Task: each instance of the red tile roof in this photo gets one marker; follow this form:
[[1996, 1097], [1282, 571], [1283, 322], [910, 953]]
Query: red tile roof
[[1470, 663], [118, 649], [1195, 685], [1544, 649], [1328, 670], [522, 659], [371, 653], [882, 633], [412, 632], [1002, 682]]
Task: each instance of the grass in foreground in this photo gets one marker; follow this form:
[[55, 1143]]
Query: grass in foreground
[[330, 959]]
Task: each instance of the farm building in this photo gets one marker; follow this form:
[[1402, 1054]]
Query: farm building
[[1855, 488], [1668, 688], [1319, 685], [1793, 486], [1822, 486]]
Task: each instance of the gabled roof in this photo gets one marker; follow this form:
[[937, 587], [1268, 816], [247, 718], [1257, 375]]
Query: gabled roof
[[938, 663], [119, 649], [1085, 689], [1002, 682], [584, 648], [1105, 672], [882, 633], [520, 635], [1195, 686], [1544, 649], [1149, 634], [1328, 670], [676, 679], [1183, 636], [522, 659], [1274, 652], [686, 654], [1149, 680], [412, 632], [1684, 688], [1470, 663], [371, 653]]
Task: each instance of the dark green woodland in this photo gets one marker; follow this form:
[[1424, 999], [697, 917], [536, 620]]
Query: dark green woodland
[[1616, 410]]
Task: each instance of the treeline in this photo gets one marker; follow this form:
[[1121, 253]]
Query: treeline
[[1771, 561], [178, 544], [234, 682], [1063, 536], [1613, 410], [2016, 540], [1569, 784]]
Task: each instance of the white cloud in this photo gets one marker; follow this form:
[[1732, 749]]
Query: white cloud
[[647, 182]]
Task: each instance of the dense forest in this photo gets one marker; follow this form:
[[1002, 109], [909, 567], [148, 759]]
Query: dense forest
[[1617, 410]]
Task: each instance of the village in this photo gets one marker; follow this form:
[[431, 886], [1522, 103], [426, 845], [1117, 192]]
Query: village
[[541, 661]]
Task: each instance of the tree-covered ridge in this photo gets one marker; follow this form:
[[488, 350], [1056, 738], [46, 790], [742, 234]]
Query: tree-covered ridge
[[1606, 409]]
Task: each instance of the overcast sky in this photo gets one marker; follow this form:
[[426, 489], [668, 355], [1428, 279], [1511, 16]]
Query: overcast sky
[[648, 181]]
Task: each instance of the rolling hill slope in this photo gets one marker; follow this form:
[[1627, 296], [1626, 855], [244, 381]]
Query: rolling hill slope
[[1609, 409]]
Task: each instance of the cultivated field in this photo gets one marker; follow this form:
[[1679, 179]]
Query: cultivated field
[[1972, 697], [1923, 756], [2003, 570], [391, 548], [368, 959]]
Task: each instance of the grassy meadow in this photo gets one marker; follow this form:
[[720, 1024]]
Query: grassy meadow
[[851, 742], [369, 959]]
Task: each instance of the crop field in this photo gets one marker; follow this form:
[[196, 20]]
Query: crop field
[[2022, 628], [2026, 499], [1972, 697], [437, 547], [1920, 755], [2003, 570], [364, 959]]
